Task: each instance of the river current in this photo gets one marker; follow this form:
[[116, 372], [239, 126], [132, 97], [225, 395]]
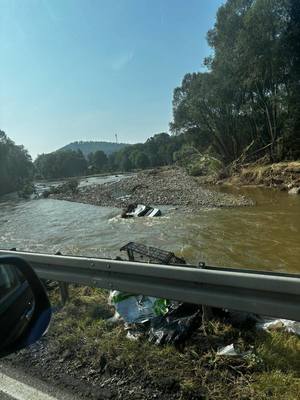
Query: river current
[[264, 237]]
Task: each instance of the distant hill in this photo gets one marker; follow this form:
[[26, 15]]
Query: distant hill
[[91, 147]]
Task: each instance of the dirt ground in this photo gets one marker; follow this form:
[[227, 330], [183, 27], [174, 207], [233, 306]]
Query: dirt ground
[[85, 353]]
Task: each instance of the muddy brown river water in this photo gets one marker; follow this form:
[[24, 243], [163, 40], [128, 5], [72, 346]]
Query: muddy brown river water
[[266, 236]]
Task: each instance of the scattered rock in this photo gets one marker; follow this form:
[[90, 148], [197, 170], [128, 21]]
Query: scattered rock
[[167, 186]]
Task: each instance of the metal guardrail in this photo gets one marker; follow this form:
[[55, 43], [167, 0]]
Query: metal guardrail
[[265, 293]]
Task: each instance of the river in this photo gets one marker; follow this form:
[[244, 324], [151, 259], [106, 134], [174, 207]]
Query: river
[[266, 236]]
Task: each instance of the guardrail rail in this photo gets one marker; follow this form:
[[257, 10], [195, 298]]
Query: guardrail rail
[[265, 293]]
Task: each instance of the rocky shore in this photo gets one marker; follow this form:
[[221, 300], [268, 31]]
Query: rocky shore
[[164, 186]]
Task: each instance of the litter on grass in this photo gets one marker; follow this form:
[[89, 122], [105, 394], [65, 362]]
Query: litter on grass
[[231, 351], [228, 351], [164, 321], [272, 324], [137, 308]]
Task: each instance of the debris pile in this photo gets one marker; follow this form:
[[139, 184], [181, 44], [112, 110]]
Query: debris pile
[[164, 321], [161, 320]]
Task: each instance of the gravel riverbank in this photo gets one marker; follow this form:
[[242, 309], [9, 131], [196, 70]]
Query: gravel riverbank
[[165, 186]]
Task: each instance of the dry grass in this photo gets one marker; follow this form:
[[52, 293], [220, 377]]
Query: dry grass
[[283, 173], [271, 371]]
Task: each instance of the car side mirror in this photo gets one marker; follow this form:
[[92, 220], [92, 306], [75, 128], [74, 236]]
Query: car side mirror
[[25, 310]]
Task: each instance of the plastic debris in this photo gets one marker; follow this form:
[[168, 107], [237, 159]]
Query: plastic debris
[[137, 308], [132, 336], [160, 320], [228, 351], [239, 318], [176, 325], [263, 322], [272, 324]]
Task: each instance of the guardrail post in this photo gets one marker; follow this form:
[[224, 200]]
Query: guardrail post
[[64, 292], [207, 313], [63, 287]]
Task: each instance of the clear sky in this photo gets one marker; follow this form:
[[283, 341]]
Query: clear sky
[[87, 69]]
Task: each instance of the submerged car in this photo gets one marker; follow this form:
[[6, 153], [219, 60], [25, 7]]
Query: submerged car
[[140, 210]]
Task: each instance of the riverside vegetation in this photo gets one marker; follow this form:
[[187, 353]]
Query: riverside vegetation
[[244, 108], [16, 169]]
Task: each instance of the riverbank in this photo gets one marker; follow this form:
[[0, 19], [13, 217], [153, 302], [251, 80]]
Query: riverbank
[[284, 176], [84, 352], [161, 186]]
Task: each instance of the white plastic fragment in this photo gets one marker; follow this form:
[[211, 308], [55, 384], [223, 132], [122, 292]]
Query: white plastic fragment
[[287, 325], [131, 336], [228, 351]]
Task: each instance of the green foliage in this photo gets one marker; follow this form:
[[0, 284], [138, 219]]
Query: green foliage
[[141, 160], [156, 151], [125, 164], [72, 185], [88, 147], [60, 164], [27, 189], [204, 165], [251, 92], [16, 169], [197, 163], [244, 107], [97, 161], [280, 350], [276, 385], [291, 51]]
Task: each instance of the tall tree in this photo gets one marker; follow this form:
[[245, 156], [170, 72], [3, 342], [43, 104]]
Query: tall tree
[[99, 160], [292, 54], [16, 169], [60, 164], [243, 99]]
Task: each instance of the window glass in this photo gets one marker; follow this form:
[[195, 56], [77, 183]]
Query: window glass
[[9, 279]]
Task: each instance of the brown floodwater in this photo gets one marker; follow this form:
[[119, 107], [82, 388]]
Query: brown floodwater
[[264, 237]]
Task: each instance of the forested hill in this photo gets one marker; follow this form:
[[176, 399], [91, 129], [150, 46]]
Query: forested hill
[[91, 147]]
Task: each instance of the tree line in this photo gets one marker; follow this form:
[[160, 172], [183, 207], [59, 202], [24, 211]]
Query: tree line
[[16, 168], [247, 103], [88, 147], [157, 151], [60, 164], [244, 107]]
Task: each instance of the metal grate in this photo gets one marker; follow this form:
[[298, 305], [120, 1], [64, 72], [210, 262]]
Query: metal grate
[[140, 252]]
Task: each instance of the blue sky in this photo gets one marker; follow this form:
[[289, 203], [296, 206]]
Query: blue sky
[[87, 69]]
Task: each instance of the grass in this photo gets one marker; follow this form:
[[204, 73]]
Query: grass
[[271, 371], [270, 174]]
